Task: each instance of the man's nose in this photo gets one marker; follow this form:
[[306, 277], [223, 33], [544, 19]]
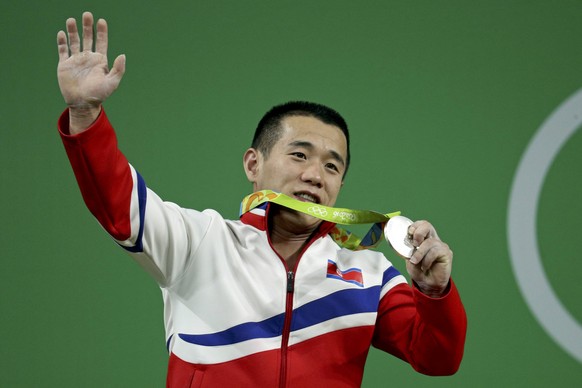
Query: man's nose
[[313, 174]]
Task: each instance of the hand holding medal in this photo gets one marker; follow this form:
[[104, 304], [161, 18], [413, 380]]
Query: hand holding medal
[[430, 260]]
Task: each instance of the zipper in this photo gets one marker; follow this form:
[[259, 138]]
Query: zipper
[[286, 327], [290, 281], [290, 286]]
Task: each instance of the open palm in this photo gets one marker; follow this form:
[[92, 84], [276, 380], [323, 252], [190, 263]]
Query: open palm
[[83, 73]]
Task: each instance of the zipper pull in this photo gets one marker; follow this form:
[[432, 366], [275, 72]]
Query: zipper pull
[[290, 278]]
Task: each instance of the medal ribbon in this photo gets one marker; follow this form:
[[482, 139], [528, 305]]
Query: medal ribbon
[[341, 216]]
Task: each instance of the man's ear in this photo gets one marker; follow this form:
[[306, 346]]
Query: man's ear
[[251, 164]]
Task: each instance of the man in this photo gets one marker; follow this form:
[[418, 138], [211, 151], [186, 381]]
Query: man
[[270, 299]]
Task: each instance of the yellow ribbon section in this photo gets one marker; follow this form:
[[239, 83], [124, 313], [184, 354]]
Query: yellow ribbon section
[[332, 214]]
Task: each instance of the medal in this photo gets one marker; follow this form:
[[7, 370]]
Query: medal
[[396, 233]]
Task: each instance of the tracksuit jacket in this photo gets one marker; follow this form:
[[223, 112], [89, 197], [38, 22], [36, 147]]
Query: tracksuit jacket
[[235, 315]]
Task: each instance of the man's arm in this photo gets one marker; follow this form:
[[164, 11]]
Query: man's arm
[[86, 82], [428, 333], [83, 72], [424, 324], [158, 235]]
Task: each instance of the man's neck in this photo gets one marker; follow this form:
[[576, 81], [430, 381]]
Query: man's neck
[[289, 233]]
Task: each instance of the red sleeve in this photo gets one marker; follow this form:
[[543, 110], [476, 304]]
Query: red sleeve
[[102, 172], [429, 333]]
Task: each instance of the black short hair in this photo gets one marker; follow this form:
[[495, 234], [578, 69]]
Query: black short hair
[[269, 128]]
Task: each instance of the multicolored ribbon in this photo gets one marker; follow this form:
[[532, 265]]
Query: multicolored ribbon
[[341, 216]]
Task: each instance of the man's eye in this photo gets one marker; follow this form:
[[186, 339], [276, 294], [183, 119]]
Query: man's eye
[[300, 155], [332, 166]]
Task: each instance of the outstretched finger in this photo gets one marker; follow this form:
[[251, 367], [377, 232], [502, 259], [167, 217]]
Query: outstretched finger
[[74, 42], [87, 31], [117, 70], [62, 46], [101, 41]]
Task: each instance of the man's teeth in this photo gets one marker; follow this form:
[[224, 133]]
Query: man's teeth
[[307, 197]]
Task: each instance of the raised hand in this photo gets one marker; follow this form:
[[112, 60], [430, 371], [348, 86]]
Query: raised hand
[[83, 73]]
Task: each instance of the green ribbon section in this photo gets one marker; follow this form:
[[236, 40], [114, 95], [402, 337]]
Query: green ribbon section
[[340, 216]]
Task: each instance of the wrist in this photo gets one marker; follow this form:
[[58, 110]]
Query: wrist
[[433, 291], [82, 116]]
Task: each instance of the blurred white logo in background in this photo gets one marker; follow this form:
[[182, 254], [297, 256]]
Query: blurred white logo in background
[[521, 225]]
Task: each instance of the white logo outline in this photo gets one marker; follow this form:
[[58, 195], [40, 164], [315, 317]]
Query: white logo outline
[[318, 211], [521, 225]]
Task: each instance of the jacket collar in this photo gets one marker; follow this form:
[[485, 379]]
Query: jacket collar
[[259, 216]]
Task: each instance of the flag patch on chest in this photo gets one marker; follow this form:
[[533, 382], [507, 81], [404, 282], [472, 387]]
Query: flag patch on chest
[[350, 275]]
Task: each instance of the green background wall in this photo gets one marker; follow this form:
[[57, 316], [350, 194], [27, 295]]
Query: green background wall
[[442, 98]]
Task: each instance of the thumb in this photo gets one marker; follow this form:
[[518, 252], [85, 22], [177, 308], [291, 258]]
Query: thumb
[[118, 68]]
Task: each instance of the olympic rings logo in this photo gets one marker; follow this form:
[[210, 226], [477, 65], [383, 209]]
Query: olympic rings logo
[[318, 211], [521, 226], [344, 216]]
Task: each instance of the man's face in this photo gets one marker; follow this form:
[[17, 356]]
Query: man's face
[[307, 162]]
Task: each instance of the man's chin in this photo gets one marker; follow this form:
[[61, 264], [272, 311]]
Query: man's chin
[[307, 221], [299, 218]]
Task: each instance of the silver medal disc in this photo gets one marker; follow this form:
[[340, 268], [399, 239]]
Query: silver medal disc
[[396, 233]]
